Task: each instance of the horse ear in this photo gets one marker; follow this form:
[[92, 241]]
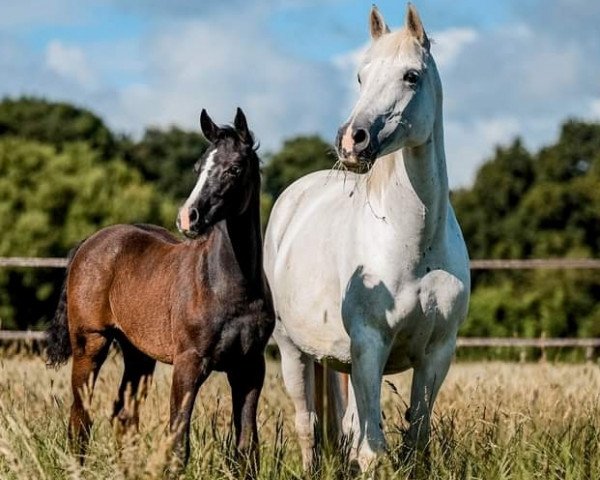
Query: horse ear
[[241, 126], [209, 129], [377, 23], [415, 26]]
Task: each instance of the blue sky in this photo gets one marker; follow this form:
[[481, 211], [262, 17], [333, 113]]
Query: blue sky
[[512, 67]]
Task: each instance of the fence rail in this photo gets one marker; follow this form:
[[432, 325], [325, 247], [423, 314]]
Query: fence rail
[[535, 264], [530, 264], [590, 344], [35, 262], [472, 342]]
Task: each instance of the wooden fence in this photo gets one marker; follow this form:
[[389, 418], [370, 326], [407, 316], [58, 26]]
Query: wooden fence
[[589, 344], [530, 264]]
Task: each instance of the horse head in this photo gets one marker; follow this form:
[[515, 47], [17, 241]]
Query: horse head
[[228, 175], [400, 93]]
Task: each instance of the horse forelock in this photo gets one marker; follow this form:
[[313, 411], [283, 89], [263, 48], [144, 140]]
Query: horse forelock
[[398, 43]]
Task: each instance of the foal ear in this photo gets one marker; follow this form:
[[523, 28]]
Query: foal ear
[[415, 26], [209, 129], [377, 23], [241, 126]]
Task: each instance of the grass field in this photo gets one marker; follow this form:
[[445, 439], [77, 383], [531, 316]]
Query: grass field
[[492, 421]]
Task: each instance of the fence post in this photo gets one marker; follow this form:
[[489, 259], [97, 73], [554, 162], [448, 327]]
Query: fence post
[[590, 354], [543, 357]]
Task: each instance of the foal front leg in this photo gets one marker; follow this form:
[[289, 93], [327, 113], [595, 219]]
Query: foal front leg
[[190, 370], [246, 384]]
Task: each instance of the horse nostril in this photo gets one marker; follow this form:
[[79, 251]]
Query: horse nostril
[[361, 139], [194, 216]]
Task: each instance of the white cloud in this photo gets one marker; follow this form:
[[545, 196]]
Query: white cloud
[[471, 141], [198, 64], [594, 111], [448, 44], [519, 78], [70, 63]]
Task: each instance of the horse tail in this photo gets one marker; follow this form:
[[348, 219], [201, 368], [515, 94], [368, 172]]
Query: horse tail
[[58, 342], [331, 392]]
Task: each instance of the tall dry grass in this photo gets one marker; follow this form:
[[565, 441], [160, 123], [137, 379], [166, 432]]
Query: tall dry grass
[[492, 421]]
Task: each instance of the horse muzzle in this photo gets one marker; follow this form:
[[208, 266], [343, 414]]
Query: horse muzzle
[[190, 223], [355, 149]]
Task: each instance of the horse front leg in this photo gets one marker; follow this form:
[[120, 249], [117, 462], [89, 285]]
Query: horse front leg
[[190, 370], [369, 355], [246, 383], [427, 379]]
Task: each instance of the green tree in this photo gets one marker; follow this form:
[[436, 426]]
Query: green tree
[[539, 205], [298, 157], [55, 123], [49, 201], [484, 211], [576, 154], [166, 158]]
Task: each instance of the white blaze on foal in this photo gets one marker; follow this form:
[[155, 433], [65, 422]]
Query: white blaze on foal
[[370, 272], [207, 167]]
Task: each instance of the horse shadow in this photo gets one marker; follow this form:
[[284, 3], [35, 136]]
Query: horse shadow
[[365, 298]]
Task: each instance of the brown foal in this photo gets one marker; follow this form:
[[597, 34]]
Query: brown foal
[[202, 304]]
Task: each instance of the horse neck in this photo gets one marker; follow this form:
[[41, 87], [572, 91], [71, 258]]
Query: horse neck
[[243, 234], [408, 189]]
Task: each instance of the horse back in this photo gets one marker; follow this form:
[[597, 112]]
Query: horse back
[[123, 278]]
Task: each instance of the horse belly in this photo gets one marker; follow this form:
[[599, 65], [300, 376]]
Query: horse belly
[[145, 321], [149, 337], [306, 294]]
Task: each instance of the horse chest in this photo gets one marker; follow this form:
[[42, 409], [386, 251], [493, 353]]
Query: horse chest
[[237, 332]]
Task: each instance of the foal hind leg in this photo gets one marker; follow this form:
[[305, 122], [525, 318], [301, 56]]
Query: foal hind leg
[[89, 353], [137, 376], [298, 373]]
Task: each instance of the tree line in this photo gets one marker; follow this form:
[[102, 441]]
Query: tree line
[[64, 174]]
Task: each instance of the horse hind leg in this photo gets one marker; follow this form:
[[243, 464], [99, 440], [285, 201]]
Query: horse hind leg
[[89, 353], [299, 378], [134, 387]]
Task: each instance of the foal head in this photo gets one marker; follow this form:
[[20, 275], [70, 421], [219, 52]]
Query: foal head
[[400, 91], [228, 175]]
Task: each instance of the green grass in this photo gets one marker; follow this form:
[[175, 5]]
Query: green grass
[[492, 421]]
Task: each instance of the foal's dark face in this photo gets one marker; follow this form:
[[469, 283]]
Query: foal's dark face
[[226, 177]]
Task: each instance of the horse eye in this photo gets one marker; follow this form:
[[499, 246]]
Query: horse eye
[[411, 77], [358, 78]]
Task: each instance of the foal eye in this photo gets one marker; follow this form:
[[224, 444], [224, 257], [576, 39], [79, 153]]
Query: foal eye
[[233, 171], [412, 77]]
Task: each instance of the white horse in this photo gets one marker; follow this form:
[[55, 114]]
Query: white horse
[[369, 270]]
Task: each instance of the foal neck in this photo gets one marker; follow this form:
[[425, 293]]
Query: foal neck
[[245, 237]]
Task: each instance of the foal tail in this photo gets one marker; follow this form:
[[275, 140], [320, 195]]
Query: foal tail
[[58, 343]]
